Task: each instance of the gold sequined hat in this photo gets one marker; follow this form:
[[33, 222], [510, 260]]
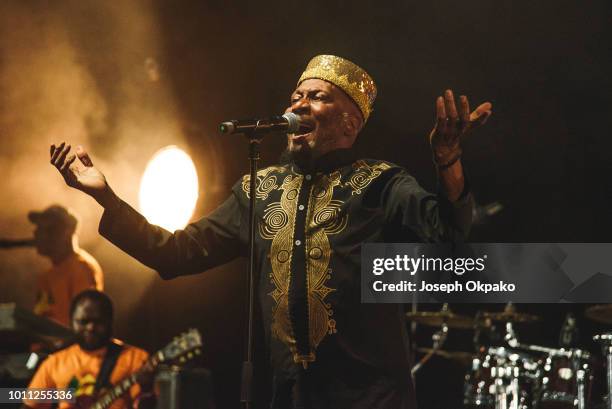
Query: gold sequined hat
[[347, 76]]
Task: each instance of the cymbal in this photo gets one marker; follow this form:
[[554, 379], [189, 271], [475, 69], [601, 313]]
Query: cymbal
[[509, 316], [457, 356], [436, 319], [600, 313]]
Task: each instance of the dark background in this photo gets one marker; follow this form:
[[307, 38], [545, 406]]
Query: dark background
[[544, 154]]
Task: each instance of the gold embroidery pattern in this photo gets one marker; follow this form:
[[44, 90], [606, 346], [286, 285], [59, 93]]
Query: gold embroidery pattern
[[364, 175], [275, 218], [279, 221], [265, 182], [323, 218]]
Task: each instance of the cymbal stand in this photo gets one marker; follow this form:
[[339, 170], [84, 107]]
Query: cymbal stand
[[438, 339], [507, 395]]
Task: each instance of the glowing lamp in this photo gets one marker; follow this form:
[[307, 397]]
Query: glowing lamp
[[169, 189]]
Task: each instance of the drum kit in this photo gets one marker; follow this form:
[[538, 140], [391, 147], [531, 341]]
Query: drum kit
[[507, 374]]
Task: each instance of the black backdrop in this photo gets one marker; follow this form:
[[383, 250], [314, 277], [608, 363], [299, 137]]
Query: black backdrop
[[545, 153], [544, 65]]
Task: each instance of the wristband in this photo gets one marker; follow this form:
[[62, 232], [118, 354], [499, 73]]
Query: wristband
[[450, 162]]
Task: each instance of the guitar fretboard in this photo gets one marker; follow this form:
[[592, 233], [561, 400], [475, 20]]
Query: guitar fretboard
[[124, 385], [115, 393]]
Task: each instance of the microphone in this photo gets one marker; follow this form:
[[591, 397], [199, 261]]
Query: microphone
[[287, 123], [13, 243]]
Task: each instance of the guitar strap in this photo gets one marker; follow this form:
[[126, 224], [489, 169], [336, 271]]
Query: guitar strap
[[108, 364]]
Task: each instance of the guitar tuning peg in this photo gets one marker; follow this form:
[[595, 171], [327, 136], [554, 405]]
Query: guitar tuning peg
[[189, 355], [182, 359], [197, 351]]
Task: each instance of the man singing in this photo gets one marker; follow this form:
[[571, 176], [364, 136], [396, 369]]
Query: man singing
[[314, 210]]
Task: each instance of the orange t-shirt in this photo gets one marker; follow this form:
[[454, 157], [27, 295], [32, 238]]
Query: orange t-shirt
[[76, 368], [58, 286]]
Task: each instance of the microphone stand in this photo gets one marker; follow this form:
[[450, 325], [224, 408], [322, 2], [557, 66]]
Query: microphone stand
[[14, 243], [246, 390], [254, 134]]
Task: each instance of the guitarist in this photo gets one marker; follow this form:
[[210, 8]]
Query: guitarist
[[95, 362]]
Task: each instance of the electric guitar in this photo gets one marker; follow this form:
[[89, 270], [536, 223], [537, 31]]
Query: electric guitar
[[183, 347]]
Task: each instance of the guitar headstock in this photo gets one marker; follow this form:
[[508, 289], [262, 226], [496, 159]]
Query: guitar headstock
[[182, 347]]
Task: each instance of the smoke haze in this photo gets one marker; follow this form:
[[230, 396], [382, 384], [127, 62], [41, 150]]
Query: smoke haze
[[85, 73]]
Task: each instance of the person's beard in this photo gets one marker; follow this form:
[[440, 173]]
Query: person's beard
[[301, 157], [97, 344], [326, 139]]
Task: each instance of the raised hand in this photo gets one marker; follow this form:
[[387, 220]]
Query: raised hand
[[81, 174], [452, 124]]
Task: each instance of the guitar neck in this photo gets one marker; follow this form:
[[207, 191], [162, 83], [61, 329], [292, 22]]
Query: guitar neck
[[124, 385]]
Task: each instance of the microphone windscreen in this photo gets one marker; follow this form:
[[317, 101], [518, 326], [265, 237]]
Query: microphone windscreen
[[227, 127], [294, 122]]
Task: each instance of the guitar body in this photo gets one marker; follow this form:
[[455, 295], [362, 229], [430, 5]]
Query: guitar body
[[85, 401], [90, 401], [182, 347]]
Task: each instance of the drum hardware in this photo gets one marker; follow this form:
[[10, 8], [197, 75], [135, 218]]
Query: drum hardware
[[510, 336], [563, 377], [437, 339], [485, 332], [508, 395], [508, 374], [513, 377], [507, 378], [566, 379], [569, 334], [500, 378], [605, 340], [444, 319], [461, 357], [580, 377]]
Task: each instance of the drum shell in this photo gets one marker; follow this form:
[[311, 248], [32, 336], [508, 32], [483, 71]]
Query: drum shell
[[499, 367], [479, 383], [558, 386]]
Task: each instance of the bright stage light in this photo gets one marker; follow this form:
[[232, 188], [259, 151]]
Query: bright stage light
[[169, 189]]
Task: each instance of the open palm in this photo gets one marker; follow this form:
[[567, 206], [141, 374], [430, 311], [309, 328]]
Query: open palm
[[452, 124], [81, 174]]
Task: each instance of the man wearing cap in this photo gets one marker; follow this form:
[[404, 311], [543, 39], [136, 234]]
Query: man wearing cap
[[73, 269], [314, 210]]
